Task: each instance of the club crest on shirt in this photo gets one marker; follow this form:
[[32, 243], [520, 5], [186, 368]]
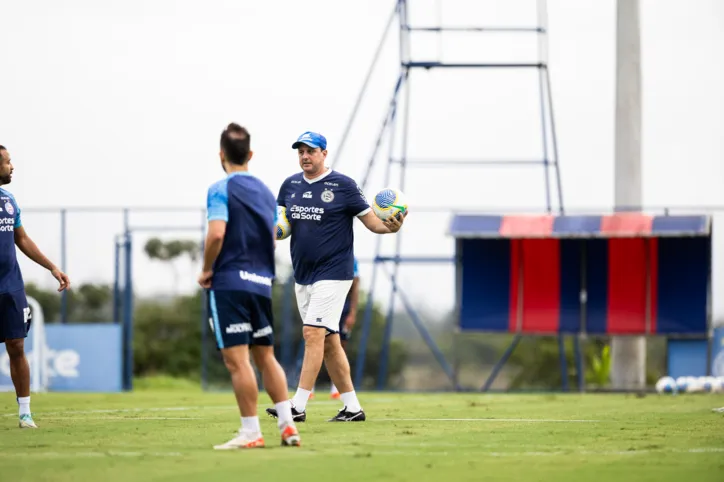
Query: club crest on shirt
[[327, 196], [9, 208]]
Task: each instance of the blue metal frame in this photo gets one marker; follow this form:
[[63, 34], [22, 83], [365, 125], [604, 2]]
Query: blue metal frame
[[123, 289], [63, 266], [388, 127]]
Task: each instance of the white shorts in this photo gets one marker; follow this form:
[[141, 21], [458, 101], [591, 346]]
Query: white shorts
[[321, 303]]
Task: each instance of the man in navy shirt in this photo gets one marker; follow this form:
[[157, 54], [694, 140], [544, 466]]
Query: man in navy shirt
[[14, 311], [321, 206], [238, 272]]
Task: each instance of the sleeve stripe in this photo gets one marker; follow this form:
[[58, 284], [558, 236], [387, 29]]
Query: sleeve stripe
[[363, 212]]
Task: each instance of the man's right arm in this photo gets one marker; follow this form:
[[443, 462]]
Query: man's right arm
[[374, 224]]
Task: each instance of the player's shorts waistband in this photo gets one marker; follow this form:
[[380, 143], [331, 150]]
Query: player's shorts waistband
[[242, 281]]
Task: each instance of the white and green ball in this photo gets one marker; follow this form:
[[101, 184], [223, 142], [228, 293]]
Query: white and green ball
[[284, 227], [666, 385], [389, 202]]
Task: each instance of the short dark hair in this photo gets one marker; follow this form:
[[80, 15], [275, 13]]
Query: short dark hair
[[236, 143], [2, 148]]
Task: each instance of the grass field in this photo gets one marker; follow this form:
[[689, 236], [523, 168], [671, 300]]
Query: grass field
[[156, 434]]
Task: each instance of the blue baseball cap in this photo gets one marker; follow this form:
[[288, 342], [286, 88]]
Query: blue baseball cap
[[312, 139]]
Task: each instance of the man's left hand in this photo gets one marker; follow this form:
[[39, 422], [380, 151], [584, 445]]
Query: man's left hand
[[394, 224], [205, 279], [349, 322], [62, 278]]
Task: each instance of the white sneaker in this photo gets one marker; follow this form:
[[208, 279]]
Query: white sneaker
[[245, 440], [26, 421]]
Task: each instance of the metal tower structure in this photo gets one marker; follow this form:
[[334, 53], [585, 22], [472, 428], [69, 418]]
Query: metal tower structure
[[389, 129]]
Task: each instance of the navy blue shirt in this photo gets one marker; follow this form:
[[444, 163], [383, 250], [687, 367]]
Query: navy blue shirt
[[321, 213], [10, 277], [246, 260]]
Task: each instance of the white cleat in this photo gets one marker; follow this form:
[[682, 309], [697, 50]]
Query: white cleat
[[26, 421], [245, 440]]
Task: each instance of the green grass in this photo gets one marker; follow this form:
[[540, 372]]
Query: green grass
[[165, 430]]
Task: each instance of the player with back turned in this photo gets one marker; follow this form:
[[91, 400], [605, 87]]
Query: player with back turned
[[14, 311], [321, 207], [238, 272]]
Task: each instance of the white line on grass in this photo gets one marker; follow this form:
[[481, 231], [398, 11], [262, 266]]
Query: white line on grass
[[160, 409], [233, 407], [469, 453], [353, 451], [523, 420], [129, 419], [132, 410], [110, 453]]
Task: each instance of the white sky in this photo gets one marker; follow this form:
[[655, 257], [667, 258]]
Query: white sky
[[120, 103]]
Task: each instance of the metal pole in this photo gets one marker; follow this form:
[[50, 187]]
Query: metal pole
[[542, 54], [128, 309], [204, 315], [362, 91], [63, 266], [628, 353], [117, 281], [387, 339]]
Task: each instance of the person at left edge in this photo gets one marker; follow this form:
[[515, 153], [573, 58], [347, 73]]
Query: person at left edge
[[15, 314]]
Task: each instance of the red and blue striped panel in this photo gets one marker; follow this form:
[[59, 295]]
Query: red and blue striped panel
[[527, 285], [527, 279]]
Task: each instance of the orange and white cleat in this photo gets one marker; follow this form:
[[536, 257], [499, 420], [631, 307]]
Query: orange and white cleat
[[334, 396], [245, 440], [290, 436]]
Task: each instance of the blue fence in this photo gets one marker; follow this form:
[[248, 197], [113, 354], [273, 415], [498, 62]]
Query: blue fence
[[106, 245], [79, 357]]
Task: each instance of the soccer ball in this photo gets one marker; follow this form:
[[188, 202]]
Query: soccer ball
[[707, 384], [682, 384], [695, 385], [389, 202], [666, 385], [284, 228], [718, 385]]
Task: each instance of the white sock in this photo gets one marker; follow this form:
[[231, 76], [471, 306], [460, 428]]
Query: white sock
[[300, 399], [250, 424], [350, 401], [333, 389], [24, 405], [284, 412]]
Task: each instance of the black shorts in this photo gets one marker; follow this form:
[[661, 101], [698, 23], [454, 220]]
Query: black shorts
[[14, 315], [240, 318]]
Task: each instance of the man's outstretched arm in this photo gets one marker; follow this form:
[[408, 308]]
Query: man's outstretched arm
[[31, 250]]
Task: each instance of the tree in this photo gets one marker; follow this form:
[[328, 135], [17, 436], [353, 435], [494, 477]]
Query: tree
[[88, 303], [171, 251], [167, 337]]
